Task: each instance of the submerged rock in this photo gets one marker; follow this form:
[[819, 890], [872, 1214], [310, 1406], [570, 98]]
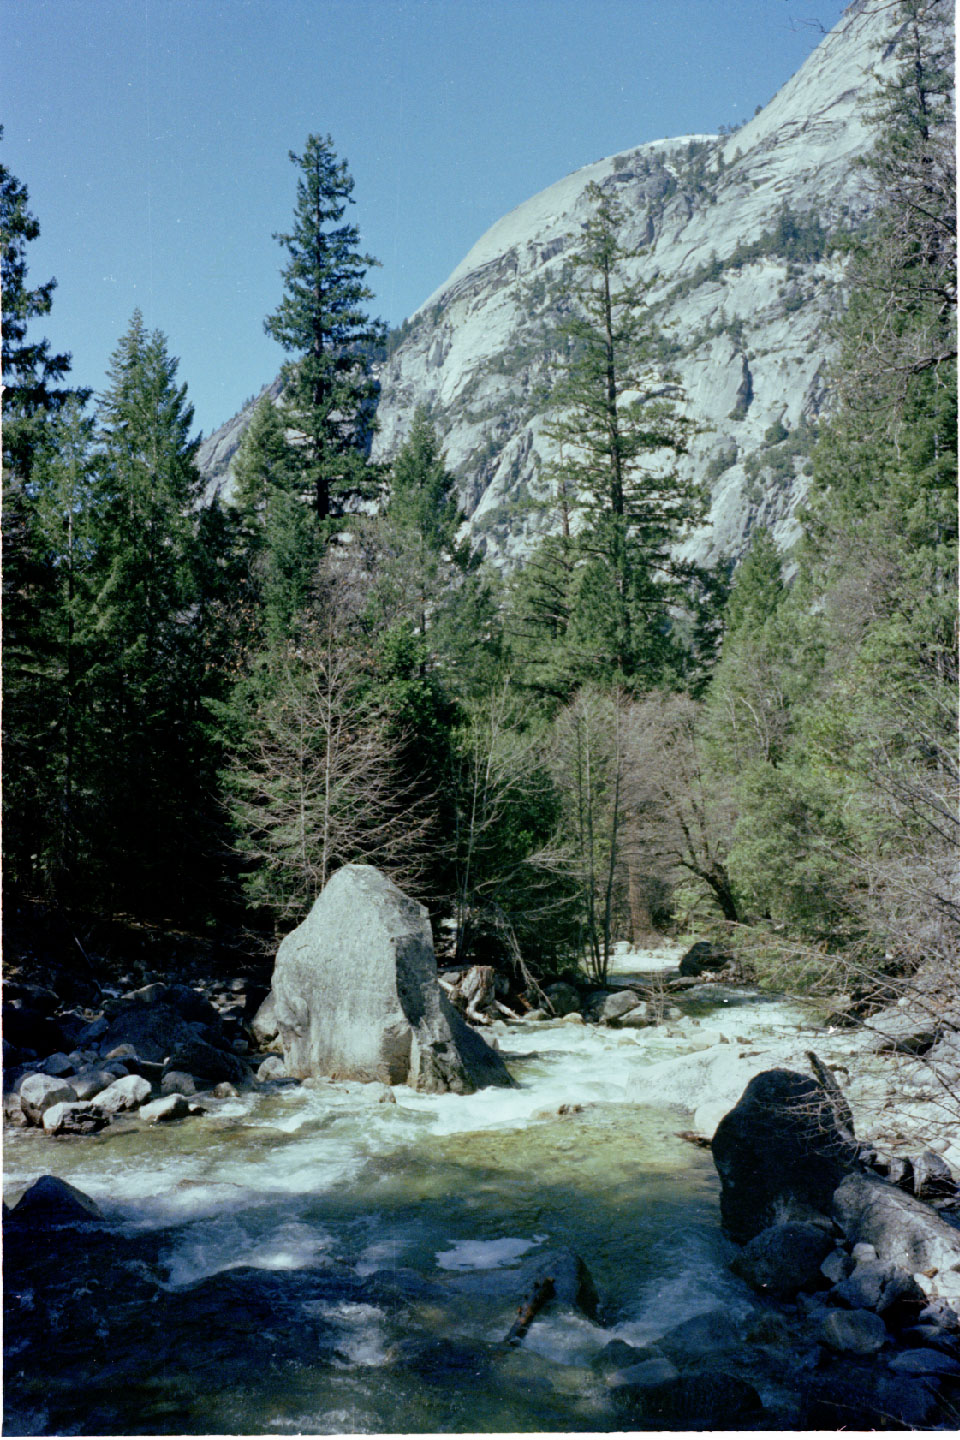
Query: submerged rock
[[170, 1107], [708, 1400], [356, 994]]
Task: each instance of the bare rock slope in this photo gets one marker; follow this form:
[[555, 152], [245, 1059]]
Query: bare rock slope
[[743, 279], [737, 239]]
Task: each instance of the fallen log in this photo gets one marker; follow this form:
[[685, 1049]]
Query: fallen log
[[692, 1138], [474, 994], [543, 1291]]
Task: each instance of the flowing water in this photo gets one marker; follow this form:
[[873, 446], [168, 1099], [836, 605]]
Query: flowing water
[[321, 1260]]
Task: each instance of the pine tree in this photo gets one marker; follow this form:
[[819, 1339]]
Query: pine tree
[[40, 565], [46, 660], [329, 390], [149, 693], [32, 391], [845, 756], [618, 432], [279, 538], [904, 277]]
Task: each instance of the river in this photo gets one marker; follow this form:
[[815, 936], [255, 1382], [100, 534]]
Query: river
[[323, 1260]]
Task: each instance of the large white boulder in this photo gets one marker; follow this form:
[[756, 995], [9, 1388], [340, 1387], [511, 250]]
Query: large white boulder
[[39, 1092], [356, 994]]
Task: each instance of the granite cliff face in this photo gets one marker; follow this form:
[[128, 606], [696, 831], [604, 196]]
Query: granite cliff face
[[736, 236]]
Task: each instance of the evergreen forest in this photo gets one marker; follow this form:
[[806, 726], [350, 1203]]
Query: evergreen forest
[[210, 705]]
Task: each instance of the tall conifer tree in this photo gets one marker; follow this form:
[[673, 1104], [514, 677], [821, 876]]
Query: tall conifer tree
[[329, 389], [618, 435], [148, 680]]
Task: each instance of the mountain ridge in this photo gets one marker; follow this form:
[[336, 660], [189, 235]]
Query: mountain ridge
[[737, 235]]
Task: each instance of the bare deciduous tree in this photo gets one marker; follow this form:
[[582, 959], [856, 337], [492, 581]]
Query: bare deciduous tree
[[316, 784]]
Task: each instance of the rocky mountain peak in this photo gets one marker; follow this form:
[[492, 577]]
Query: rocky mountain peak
[[736, 237]]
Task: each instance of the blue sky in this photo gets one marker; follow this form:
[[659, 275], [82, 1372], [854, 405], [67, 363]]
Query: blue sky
[[153, 135]]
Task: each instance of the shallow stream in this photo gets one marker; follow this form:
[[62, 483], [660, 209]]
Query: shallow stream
[[321, 1260]]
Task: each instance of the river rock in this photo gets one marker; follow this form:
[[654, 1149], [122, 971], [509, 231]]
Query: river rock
[[356, 994], [272, 1068], [207, 1062], [644, 1374], [39, 1092], [780, 1153], [846, 1400], [942, 1314], [27, 1029], [94, 1032], [91, 1081], [264, 1027], [903, 1230], [932, 1177], [924, 1361], [13, 1112], [618, 1355], [51, 1201], [564, 998], [177, 1082], [837, 1266], [856, 1332], [146, 995], [151, 1031], [191, 1005], [619, 1003], [863, 1287], [79, 1117], [784, 1259], [128, 1093], [712, 1333], [572, 1282], [169, 1107], [904, 1031], [57, 1064]]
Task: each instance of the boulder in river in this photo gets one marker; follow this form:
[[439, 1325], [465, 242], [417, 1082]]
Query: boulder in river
[[51, 1201], [780, 1153], [357, 998], [784, 1259]]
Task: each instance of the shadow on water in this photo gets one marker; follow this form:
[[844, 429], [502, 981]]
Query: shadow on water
[[380, 1304]]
